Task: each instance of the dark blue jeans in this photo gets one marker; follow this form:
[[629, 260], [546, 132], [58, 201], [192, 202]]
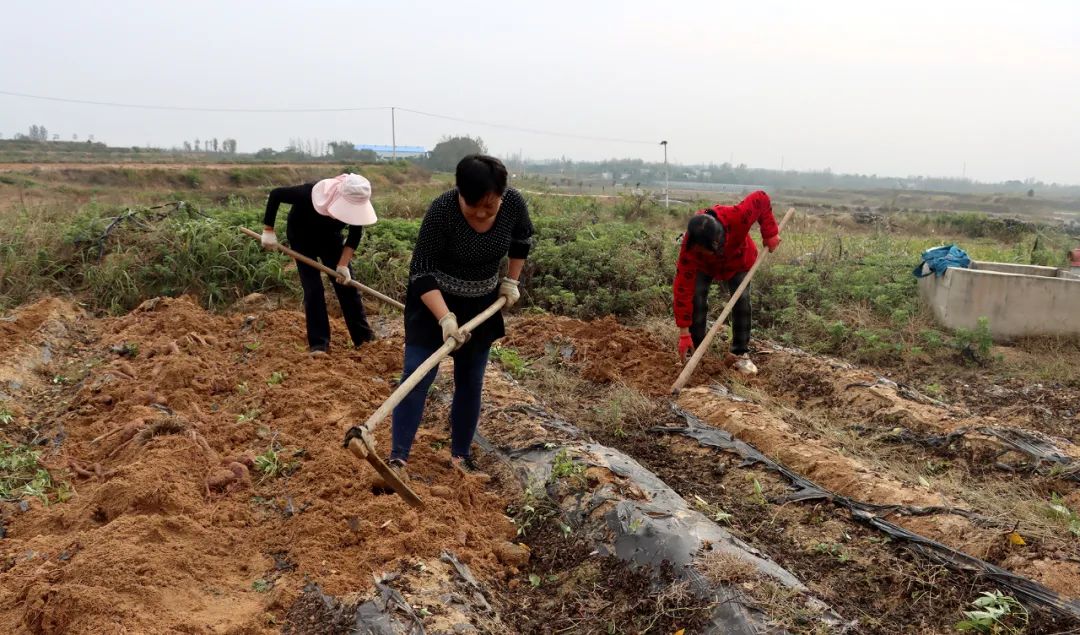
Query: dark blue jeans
[[464, 411], [740, 313]]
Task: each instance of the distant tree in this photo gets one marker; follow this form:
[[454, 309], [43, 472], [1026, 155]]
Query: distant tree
[[1031, 193], [187, 146], [39, 133], [346, 151], [197, 145], [447, 153], [56, 137], [74, 137], [266, 153], [229, 146]]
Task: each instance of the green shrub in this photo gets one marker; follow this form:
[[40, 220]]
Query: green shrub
[[588, 270], [974, 344], [191, 178]]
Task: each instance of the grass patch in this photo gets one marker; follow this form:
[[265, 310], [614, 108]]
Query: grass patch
[[273, 464], [510, 360], [22, 476]]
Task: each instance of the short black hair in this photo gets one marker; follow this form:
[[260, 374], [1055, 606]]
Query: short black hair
[[705, 231], [479, 175]]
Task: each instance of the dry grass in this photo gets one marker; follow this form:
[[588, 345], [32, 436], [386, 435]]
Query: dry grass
[[721, 567], [1042, 359], [621, 408], [1004, 499], [559, 387]]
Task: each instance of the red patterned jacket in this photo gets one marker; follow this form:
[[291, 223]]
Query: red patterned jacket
[[739, 253]]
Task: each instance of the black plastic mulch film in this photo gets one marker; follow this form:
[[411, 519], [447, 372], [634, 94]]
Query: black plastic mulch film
[[865, 513], [651, 530]]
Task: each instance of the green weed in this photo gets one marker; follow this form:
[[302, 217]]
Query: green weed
[[1058, 510], [6, 416], [974, 344], [995, 612], [715, 512], [535, 509], [758, 494], [21, 476], [249, 416], [835, 551], [271, 464], [564, 466], [276, 378], [510, 360]]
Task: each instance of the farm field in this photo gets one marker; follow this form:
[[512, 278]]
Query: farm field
[[878, 476]]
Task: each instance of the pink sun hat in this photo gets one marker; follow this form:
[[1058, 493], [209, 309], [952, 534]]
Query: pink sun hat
[[346, 197]]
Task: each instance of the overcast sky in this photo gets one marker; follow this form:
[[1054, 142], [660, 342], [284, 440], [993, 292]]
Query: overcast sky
[[869, 87]]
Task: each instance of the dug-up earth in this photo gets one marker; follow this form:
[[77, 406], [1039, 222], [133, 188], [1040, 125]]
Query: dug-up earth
[[200, 485], [161, 422]]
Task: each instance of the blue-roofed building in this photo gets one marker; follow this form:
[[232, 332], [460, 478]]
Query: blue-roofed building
[[387, 153]]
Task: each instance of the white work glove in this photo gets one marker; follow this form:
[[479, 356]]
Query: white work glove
[[269, 239], [509, 290], [343, 274], [451, 331]]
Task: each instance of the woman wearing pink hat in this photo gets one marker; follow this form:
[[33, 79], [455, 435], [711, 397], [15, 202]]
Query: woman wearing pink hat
[[319, 212]]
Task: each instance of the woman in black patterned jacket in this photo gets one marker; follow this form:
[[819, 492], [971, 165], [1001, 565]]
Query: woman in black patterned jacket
[[454, 275]]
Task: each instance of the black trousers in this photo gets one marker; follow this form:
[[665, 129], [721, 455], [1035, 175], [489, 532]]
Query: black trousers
[[740, 313], [352, 307]]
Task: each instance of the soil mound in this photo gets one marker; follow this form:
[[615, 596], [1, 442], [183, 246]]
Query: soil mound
[[605, 351], [205, 452]]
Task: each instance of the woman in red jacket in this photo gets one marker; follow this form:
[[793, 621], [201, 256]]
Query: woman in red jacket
[[717, 246]]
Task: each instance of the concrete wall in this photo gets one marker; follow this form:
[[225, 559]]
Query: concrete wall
[[1008, 267], [1016, 305]]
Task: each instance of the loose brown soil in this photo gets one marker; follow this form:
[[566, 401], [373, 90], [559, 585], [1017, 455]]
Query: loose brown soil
[[156, 419], [173, 524]]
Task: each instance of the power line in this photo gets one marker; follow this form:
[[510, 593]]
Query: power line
[[549, 133], [184, 108], [528, 130]]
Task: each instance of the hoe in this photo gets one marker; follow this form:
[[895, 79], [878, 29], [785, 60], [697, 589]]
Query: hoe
[[299, 257], [359, 439]]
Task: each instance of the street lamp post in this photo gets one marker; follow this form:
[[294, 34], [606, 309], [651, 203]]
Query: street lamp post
[[667, 180]]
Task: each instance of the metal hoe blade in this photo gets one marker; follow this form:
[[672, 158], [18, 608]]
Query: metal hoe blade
[[358, 441]]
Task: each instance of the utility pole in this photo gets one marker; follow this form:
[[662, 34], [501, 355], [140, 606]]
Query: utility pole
[[667, 179], [393, 131]]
